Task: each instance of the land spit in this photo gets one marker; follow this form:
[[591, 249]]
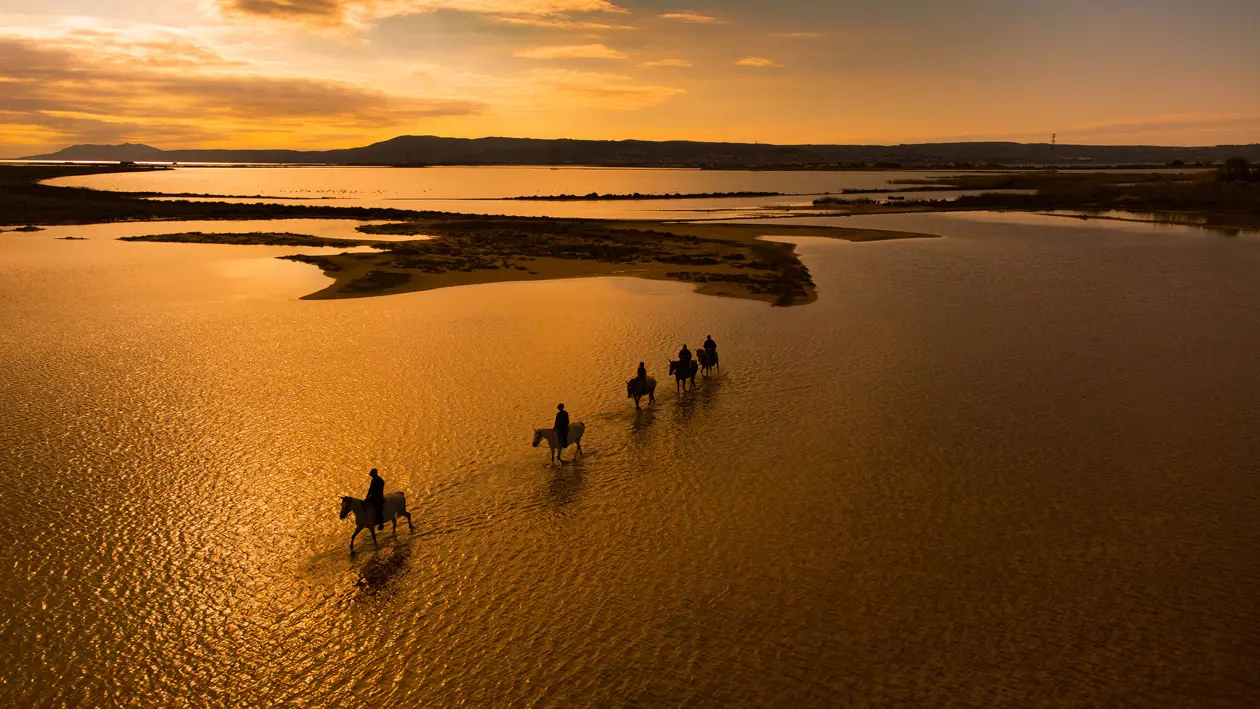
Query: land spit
[[719, 258], [728, 260]]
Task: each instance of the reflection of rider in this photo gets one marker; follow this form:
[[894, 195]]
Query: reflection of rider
[[562, 426], [376, 498]]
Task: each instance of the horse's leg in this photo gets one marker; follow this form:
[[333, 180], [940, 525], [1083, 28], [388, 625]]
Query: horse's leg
[[373, 531], [408, 516], [352, 536], [579, 445], [394, 522]]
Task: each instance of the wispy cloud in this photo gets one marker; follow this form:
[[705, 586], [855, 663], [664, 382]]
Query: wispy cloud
[[573, 51], [361, 13], [600, 90], [688, 16], [100, 85], [1158, 124], [798, 35], [679, 63], [558, 23], [757, 62]]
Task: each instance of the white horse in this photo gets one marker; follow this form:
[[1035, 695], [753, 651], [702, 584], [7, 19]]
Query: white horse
[[553, 439], [364, 516]]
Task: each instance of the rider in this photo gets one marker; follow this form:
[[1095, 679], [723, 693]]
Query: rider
[[642, 373], [711, 347], [562, 426], [376, 498], [684, 357]]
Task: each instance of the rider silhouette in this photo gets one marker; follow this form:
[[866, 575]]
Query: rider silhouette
[[642, 374], [684, 356], [376, 498], [711, 347], [562, 426]]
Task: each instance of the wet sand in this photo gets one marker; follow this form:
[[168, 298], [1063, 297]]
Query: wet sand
[[728, 260]]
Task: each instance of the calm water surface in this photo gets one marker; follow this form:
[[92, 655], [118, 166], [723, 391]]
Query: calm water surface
[[482, 190], [1012, 467]]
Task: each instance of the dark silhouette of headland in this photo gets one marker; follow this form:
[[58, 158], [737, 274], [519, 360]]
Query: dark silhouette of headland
[[433, 150]]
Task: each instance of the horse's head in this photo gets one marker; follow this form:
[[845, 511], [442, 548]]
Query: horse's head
[[345, 506], [673, 366], [630, 387], [537, 436]]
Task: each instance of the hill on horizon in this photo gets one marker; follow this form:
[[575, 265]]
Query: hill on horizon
[[434, 150]]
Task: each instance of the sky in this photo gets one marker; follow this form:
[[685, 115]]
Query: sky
[[316, 74]]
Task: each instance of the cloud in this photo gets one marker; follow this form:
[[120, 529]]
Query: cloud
[[798, 35], [557, 23], [362, 13], [757, 62], [1171, 129], [575, 51], [680, 63], [77, 86], [613, 92], [550, 89], [688, 16], [1154, 124]]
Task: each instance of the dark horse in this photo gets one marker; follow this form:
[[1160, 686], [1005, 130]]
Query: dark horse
[[637, 389], [708, 359], [683, 373]]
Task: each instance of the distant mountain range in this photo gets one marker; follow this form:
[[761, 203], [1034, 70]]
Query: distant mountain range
[[432, 150]]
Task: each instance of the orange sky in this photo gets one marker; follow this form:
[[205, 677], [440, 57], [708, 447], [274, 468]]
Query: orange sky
[[338, 73]]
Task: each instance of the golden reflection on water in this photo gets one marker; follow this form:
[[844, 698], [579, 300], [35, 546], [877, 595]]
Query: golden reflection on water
[[1011, 467], [487, 190]]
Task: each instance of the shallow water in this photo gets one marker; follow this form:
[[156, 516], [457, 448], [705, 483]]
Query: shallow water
[[1015, 466], [484, 190], [669, 209], [326, 228]]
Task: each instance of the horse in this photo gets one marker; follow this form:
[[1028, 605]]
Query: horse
[[680, 376], [708, 359], [395, 506], [553, 439], [636, 390]]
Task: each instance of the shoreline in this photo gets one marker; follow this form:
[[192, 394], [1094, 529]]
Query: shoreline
[[717, 257], [725, 260]]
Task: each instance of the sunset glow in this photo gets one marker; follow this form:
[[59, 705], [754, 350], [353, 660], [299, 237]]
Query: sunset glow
[[312, 74]]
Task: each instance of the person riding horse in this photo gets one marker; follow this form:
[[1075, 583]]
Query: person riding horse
[[642, 374], [686, 364], [711, 347], [376, 498], [562, 426]]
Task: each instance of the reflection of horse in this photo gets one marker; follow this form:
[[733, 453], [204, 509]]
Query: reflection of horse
[[365, 517], [638, 388], [682, 373], [708, 359], [553, 439]]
